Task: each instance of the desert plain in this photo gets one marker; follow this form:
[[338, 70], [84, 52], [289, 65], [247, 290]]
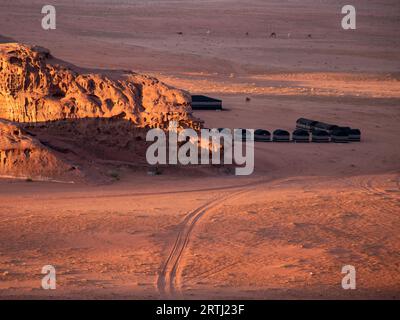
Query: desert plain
[[284, 232]]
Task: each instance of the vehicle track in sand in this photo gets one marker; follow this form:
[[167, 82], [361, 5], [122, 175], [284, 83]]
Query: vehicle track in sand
[[373, 187], [168, 283], [149, 194], [167, 279], [382, 202]]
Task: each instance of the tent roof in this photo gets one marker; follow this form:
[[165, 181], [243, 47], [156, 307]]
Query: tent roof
[[305, 121], [281, 132], [201, 98], [325, 126], [262, 132], [320, 133], [301, 132]]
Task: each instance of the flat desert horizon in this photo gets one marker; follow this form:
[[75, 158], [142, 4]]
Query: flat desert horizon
[[118, 231]]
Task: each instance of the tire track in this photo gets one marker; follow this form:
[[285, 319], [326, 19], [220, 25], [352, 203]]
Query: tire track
[[369, 186], [386, 209], [167, 278], [166, 282], [149, 194]]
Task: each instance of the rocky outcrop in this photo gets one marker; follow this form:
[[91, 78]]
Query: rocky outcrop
[[66, 123], [24, 156], [35, 87]]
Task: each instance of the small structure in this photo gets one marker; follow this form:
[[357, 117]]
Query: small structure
[[340, 136], [345, 129], [301, 135], [325, 132], [320, 136], [262, 135], [200, 102], [324, 127], [355, 135], [305, 124], [281, 136]]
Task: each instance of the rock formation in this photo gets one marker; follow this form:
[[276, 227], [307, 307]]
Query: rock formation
[[35, 87], [60, 121], [24, 156]]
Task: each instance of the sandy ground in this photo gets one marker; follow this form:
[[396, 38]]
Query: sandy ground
[[284, 232]]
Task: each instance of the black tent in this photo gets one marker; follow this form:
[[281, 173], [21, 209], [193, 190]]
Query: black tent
[[345, 129], [262, 135], [355, 135], [320, 136], [304, 123], [325, 127], [340, 135], [337, 133], [200, 102], [301, 135], [281, 136]]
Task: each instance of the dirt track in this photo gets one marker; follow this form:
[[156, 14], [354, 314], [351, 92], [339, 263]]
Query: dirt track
[[168, 281], [181, 234]]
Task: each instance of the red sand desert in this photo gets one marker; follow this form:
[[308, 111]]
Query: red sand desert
[[113, 231]]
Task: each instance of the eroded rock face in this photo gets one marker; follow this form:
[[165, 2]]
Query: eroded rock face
[[36, 87], [24, 156], [60, 122]]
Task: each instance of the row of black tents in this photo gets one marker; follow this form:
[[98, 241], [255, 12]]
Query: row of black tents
[[335, 132], [308, 131]]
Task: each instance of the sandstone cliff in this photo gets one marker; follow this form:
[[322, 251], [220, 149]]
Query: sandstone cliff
[[63, 122], [24, 156], [35, 87]]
